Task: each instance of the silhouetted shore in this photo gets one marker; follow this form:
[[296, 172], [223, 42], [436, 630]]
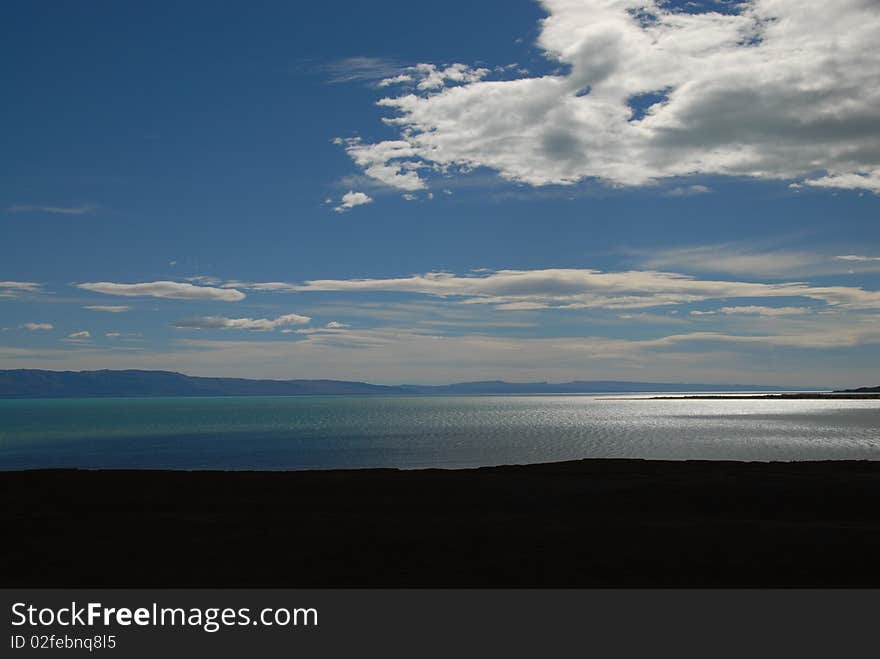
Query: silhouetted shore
[[795, 396], [623, 523]]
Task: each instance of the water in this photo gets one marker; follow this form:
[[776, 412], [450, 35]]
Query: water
[[354, 432]]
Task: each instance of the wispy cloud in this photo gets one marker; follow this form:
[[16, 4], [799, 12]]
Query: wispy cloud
[[567, 289], [400, 354], [36, 327], [360, 69], [754, 260], [689, 191], [164, 289], [13, 289], [108, 308], [857, 258], [52, 210], [258, 324], [754, 310]]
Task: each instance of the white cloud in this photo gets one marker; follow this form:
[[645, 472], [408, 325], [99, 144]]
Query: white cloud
[[755, 310], [334, 325], [779, 89], [391, 162], [857, 258], [13, 289], [653, 318], [401, 355], [395, 80], [430, 76], [78, 336], [746, 259], [54, 210], [351, 199], [164, 289], [689, 191], [204, 280], [570, 288], [360, 69], [849, 181], [35, 327], [259, 324], [108, 308], [731, 258]]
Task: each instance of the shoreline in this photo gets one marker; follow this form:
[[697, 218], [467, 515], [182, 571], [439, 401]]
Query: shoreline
[[586, 523], [788, 396]]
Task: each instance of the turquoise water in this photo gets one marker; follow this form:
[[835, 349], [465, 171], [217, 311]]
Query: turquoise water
[[313, 432]]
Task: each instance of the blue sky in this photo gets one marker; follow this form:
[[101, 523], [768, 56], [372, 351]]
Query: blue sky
[[548, 191]]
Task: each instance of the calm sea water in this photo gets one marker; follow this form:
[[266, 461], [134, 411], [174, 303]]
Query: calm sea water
[[343, 432]]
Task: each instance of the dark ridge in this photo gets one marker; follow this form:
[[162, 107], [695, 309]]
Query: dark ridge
[[860, 390]]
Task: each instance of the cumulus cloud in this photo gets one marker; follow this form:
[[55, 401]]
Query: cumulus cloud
[[258, 324], [35, 327], [164, 289], [774, 89], [395, 80], [53, 210], [392, 162], [108, 308], [351, 199], [570, 288], [430, 76]]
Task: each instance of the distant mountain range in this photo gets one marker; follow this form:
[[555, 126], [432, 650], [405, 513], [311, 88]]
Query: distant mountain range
[[28, 383]]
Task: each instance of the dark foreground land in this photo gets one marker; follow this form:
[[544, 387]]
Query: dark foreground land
[[586, 523]]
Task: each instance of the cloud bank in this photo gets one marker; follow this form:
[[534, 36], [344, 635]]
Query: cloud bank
[[569, 288], [778, 89]]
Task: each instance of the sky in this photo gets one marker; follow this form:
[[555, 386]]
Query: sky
[[517, 190]]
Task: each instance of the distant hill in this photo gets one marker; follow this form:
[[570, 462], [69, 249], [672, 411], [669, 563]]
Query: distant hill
[[27, 383], [95, 384], [584, 387], [860, 390]]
